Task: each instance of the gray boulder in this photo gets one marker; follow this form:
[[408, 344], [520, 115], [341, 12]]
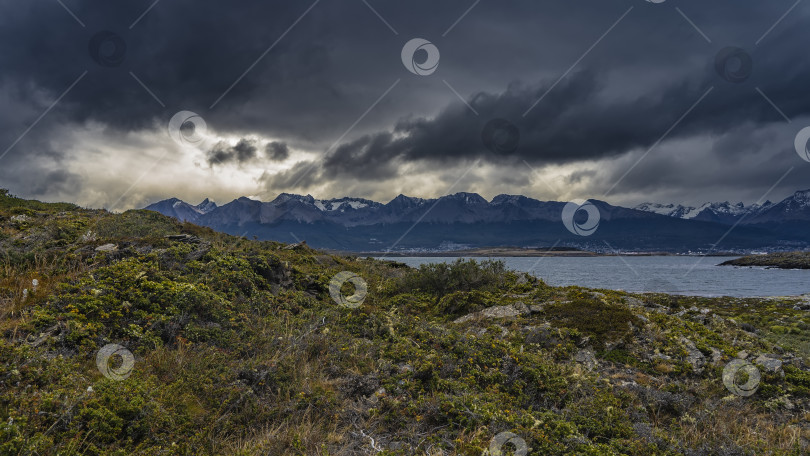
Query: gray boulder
[[107, 248], [769, 363], [513, 310], [587, 359]]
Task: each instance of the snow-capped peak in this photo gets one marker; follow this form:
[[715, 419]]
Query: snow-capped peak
[[707, 212], [802, 197], [206, 206], [343, 204], [670, 210]]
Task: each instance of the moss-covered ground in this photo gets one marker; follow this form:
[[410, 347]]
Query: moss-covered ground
[[239, 349]]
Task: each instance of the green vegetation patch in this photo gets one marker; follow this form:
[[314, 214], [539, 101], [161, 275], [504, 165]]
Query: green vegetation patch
[[239, 349], [601, 321], [463, 275]]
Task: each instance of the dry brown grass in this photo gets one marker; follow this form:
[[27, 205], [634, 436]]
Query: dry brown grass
[[300, 434], [738, 423], [16, 278]]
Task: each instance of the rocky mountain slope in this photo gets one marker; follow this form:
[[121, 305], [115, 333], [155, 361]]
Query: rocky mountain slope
[[468, 220], [725, 212], [183, 211], [795, 208], [138, 334]]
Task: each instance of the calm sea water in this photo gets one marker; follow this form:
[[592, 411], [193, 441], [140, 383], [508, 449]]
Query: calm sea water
[[664, 274]]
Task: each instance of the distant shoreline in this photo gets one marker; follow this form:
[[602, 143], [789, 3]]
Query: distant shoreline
[[781, 260], [489, 253], [512, 252]]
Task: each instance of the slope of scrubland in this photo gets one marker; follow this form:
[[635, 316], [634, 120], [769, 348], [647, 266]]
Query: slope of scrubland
[[238, 348]]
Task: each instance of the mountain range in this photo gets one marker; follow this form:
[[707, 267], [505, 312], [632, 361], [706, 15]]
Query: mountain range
[[467, 220], [724, 212]]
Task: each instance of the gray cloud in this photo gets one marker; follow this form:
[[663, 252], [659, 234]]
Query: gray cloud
[[299, 177], [277, 151], [246, 150], [328, 70], [568, 126], [223, 153]]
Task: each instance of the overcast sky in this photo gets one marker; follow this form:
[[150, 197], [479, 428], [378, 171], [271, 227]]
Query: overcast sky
[[626, 101]]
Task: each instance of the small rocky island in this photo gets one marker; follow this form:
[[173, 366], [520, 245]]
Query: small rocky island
[[781, 260]]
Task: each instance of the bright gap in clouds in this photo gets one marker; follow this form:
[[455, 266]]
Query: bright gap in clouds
[[155, 166]]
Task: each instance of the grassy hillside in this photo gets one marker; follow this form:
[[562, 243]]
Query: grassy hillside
[[239, 348], [782, 260]]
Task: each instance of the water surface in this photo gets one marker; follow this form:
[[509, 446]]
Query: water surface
[[666, 274]]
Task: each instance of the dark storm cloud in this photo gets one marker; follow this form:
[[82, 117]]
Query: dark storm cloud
[[322, 74], [298, 177], [186, 52], [332, 64], [189, 53], [246, 150], [60, 180], [223, 153], [277, 151], [571, 124]]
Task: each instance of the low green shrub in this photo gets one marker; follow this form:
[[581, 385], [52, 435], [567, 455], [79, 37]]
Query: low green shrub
[[441, 279]]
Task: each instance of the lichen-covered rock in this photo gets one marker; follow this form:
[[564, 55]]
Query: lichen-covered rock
[[717, 356], [587, 359], [663, 401], [633, 302], [513, 310], [542, 335], [107, 248], [536, 308], [770, 363], [694, 356]]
